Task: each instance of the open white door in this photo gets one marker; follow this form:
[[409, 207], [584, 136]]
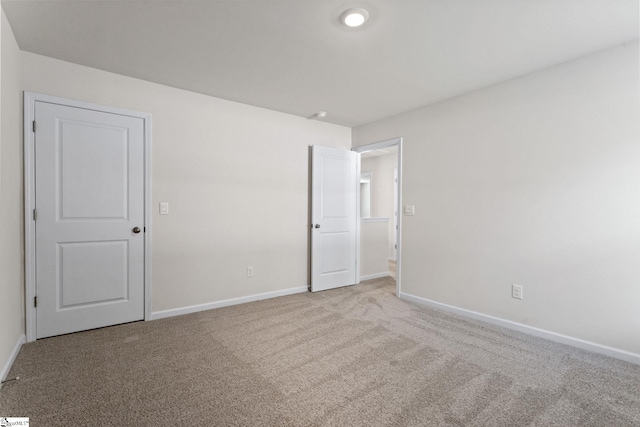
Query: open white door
[[334, 216]]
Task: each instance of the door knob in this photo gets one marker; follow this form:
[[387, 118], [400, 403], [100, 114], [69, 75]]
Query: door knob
[[136, 230], [317, 225]]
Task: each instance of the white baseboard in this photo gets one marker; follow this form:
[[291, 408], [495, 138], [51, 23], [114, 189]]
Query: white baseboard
[[12, 358], [374, 276], [530, 330], [227, 302]]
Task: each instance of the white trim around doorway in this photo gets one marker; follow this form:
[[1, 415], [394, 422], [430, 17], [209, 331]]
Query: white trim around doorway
[[378, 146], [30, 100]]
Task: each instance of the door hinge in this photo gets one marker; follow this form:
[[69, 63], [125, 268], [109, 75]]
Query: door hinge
[[35, 214], [35, 301], [396, 246], [34, 126]]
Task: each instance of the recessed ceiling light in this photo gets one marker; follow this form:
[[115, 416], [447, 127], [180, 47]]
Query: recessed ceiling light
[[319, 115], [354, 17]]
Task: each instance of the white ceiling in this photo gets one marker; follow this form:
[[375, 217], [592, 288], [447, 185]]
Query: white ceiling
[[294, 56], [380, 152]]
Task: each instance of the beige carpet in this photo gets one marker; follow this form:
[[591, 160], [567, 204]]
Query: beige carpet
[[355, 356]]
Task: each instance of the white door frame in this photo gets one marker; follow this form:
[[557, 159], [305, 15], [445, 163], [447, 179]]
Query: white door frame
[[396, 214], [30, 100], [378, 146]]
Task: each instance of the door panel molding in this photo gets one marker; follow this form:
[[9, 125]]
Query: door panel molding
[[30, 100]]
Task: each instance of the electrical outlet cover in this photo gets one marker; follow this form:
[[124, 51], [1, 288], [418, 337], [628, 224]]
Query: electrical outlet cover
[[516, 291]]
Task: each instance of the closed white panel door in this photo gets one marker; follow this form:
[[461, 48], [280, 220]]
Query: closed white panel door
[[333, 217], [90, 219]]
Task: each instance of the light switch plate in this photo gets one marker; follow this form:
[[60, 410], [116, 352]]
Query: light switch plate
[[409, 210], [164, 208]]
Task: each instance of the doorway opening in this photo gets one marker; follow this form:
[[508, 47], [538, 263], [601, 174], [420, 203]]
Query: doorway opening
[[379, 243]]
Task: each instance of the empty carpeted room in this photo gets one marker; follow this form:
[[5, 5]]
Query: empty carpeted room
[[330, 213]]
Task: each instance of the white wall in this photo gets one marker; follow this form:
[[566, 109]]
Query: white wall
[[373, 248], [382, 186], [11, 201], [535, 181], [236, 178]]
